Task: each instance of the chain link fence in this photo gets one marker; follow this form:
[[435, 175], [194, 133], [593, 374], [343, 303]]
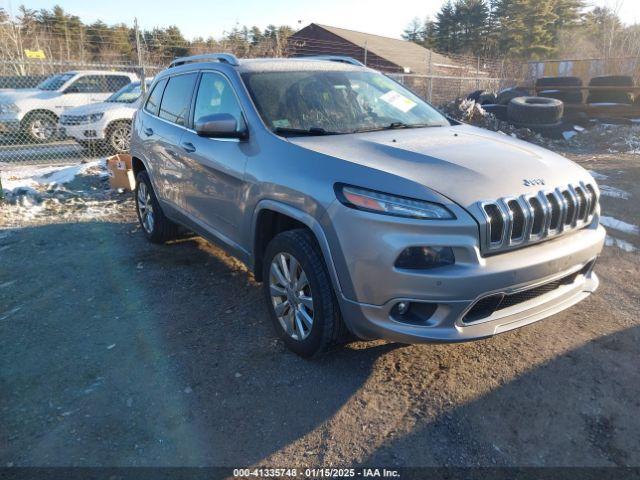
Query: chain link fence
[[61, 111]]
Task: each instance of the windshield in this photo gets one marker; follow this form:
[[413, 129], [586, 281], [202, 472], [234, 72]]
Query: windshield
[[55, 82], [322, 102], [127, 94]]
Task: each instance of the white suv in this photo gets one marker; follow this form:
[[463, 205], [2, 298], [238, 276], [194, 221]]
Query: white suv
[[35, 112], [106, 124]]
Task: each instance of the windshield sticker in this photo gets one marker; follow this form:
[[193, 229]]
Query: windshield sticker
[[398, 101], [284, 123]]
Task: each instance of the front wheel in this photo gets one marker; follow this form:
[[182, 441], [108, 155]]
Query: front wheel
[[40, 127], [297, 287], [155, 225]]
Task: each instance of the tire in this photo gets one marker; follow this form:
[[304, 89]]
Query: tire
[[118, 137], [565, 96], [553, 130], [160, 229], [40, 127], [475, 95], [482, 97], [499, 111], [535, 110], [327, 328], [558, 82], [505, 96], [612, 96]]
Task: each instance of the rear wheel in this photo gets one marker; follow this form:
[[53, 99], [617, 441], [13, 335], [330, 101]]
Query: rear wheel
[[155, 225], [297, 287], [119, 137]]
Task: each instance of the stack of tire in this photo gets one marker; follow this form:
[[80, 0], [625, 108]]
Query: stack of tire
[[546, 87], [540, 114], [611, 96]]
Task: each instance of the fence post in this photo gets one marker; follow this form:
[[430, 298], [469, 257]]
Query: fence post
[[143, 75], [429, 70], [478, 74]]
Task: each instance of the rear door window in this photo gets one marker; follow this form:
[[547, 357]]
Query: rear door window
[[88, 84], [116, 82], [153, 103], [177, 98]]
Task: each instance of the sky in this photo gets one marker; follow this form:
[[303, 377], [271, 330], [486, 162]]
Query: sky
[[207, 18]]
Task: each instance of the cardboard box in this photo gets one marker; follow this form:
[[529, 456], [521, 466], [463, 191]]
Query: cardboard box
[[121, 172]]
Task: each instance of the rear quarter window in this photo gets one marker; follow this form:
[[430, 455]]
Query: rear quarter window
[[153, 102]]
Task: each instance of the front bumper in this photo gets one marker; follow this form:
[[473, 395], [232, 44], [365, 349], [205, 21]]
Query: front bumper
[[9, 125], [84, 132], [371, 287]]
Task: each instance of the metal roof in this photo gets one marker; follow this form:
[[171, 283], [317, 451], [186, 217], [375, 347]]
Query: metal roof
[[399, 52]]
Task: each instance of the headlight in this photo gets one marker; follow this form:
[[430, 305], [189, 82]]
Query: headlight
[[94, 117], [372, 201], [9, 108]]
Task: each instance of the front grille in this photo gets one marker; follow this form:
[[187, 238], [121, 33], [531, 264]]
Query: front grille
[[512, 222], [487, 306], [73, 119]]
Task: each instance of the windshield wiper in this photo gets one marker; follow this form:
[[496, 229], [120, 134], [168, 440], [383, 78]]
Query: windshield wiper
[[305, 131], [397, 125]]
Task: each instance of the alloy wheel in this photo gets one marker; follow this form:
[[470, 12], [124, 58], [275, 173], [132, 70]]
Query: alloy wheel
[[42, 129], [120, 138], [145, 207], [291, 296]]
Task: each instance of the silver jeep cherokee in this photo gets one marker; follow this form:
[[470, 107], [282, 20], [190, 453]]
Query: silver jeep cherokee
[[361, 208]]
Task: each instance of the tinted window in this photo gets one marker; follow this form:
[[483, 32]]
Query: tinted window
[[116, 82], [153, 104], [55, 82], [216, 95], [176, 99], [88, 84]]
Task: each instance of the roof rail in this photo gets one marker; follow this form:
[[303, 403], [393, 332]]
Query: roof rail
[[337, 58], [228, 58]]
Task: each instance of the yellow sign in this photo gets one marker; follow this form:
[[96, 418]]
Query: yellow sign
[[35, 54]]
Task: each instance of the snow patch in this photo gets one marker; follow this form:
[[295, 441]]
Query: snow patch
[[619, 225], [621, 244], [614, 192], [32, 178], [598, 176]]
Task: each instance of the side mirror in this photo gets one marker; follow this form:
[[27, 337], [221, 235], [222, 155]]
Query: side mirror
[[219, 125]]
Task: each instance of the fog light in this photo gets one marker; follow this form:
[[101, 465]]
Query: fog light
[[90, 133], [403, 307], [420, 258]]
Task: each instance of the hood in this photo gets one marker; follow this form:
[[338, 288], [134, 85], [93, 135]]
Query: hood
[[30, 94], [466, 164], [101, 107]]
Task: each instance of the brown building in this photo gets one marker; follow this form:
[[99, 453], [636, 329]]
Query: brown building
[[382, 53]]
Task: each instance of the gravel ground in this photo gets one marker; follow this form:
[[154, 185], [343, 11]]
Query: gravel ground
[[116, 352]]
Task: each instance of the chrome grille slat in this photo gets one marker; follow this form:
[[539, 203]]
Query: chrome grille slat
[[515, 221]]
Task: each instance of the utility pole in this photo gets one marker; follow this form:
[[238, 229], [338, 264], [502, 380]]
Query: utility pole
[[143, 75]]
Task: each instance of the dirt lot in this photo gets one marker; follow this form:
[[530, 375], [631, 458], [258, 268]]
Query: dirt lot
[[117, 352]]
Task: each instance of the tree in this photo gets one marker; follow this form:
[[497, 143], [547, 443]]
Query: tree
[[414, 31]]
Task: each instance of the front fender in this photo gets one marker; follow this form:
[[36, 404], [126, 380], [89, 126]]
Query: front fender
[[305, 219]]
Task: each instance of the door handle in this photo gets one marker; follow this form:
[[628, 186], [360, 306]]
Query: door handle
[[188, 147], [148, 132]]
